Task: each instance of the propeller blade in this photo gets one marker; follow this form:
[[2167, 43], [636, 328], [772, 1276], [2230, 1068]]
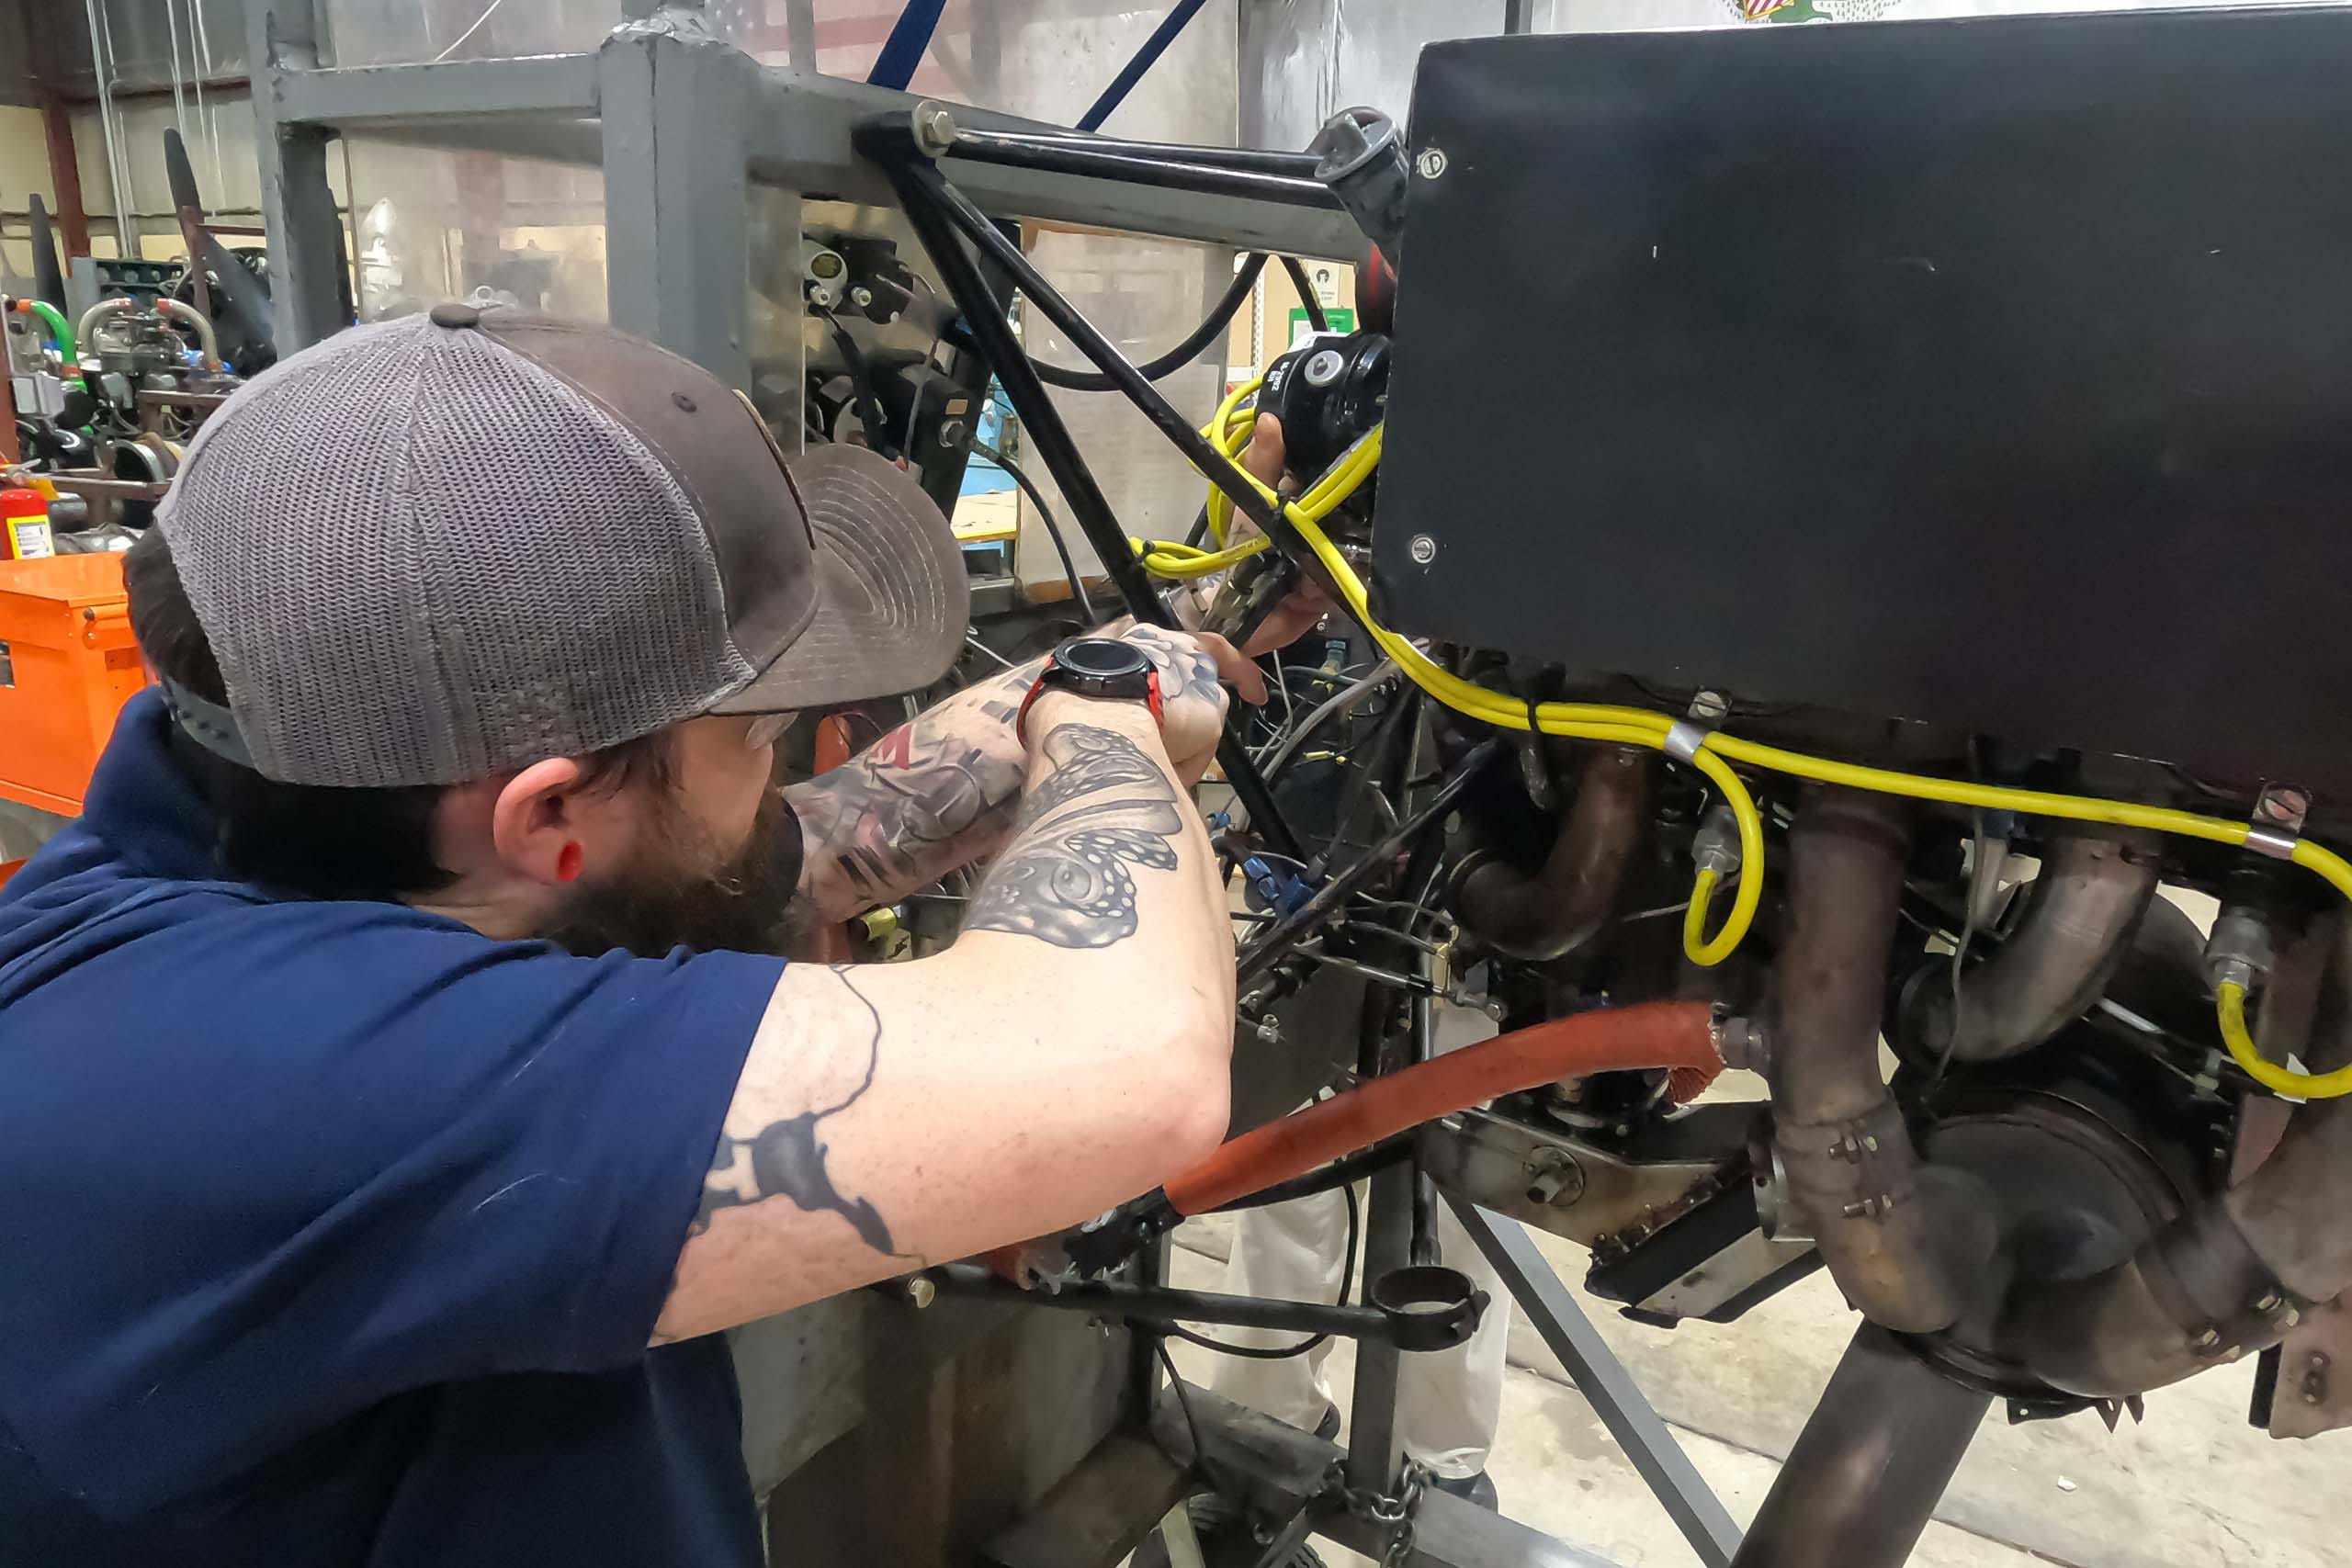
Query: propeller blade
[[181, 175], [48, 276], [245, 303]]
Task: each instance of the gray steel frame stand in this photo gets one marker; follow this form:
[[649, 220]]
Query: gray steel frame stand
[[1601, 1378], [682, 124]]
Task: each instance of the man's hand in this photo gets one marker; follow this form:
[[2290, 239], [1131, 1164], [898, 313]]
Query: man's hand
[[938, 793], [1191, 700], [1305, 605]]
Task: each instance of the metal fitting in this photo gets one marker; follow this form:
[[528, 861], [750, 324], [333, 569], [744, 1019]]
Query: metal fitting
[[861, 296], [2272, 841], [1715, 846], [935, 129], [1683, 739], [1422, 548], [1430, 163], [2240, 948], [1740, 1042], [1709, 708], [1323, 367], [1270, 1028]]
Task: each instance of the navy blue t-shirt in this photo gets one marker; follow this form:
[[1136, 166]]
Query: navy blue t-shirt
[[334, 1233]]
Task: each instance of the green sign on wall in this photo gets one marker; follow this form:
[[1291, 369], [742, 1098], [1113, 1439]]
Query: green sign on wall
[[1341, 319]]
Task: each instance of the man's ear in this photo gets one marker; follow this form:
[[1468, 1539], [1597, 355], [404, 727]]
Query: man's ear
[[534, 823]]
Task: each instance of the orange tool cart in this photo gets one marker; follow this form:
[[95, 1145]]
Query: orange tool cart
[[67, 665]]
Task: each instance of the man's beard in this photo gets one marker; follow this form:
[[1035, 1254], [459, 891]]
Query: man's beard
[[677, 892]]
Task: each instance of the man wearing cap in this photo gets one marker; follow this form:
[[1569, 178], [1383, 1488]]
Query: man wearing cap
[[396, 1091]]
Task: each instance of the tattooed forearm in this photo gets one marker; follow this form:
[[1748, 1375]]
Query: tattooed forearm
[[939, 793], [783, 1158], [1064, 878], [930, 796]]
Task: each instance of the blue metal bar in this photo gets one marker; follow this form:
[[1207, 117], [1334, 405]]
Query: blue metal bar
[[1145, 59], [903, 50]]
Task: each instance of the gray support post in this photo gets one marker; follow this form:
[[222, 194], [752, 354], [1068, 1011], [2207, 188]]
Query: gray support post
[[306, 262], [673, 101], [1601, 1378]]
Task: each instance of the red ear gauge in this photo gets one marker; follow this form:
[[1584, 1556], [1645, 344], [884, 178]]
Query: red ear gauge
[[567, 863]]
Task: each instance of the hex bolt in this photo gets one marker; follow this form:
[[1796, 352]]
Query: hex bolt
[[1431, 163], [1270, 1028], [1422, 548], [935, 129]]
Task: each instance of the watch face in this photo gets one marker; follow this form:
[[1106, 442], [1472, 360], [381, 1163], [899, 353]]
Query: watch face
[[1100, 658]]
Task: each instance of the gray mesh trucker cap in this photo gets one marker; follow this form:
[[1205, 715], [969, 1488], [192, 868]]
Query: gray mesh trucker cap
[[433, 548]]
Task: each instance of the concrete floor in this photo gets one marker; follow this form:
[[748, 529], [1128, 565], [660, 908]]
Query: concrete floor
[[2195, 1485]]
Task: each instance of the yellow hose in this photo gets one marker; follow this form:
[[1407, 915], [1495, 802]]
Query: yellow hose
[[1230, 431], [2230, 1000]]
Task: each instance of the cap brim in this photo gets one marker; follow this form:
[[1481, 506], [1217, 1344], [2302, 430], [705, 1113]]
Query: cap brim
[[892, 595]]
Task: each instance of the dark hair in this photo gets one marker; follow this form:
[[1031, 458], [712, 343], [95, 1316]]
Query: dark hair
[[317, 840]]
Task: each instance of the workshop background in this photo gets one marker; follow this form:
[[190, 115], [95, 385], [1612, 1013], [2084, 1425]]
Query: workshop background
[[86, 90]]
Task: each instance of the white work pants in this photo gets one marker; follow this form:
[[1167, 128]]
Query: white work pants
[[1448, 1402]]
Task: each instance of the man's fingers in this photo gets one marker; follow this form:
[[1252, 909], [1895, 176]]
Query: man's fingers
[[1234, 668], [1292, 619], [1263, 459]]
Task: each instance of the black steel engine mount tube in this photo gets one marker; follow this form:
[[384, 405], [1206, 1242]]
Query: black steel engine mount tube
[[1874, 1457], [1907, 1243], [2080, 915], [922, 194], [914, 175], [1561, 906], [1088, 159]]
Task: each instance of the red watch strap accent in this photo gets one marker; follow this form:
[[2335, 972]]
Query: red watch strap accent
[[1151, 700], [1021, 719]]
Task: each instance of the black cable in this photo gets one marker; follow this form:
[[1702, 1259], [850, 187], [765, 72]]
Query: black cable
[[1183, 1401], [1306, 298], [861, 385], [1285, 1352], [1220, 317], [1053, 527]]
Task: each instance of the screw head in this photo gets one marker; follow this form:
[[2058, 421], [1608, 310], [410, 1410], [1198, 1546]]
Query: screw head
[[1323, 368], [921, 1291], [935, 129], [1422, 548], [1432, 163], [861, 296]]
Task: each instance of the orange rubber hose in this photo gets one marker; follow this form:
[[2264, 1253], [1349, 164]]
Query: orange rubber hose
[[1678, 1035]]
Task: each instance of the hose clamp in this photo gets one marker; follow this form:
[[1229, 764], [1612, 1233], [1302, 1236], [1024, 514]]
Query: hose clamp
[[2276, 842], [1683, 739]]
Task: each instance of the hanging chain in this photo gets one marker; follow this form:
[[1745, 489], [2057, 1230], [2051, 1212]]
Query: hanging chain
[[1394, 1513]]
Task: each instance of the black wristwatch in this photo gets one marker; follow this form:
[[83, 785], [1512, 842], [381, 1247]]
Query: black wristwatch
[[1094, 667]]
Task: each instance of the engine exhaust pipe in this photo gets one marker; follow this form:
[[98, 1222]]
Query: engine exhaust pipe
[[2231, 1276], [1907, 1243], [1564, 905], [1873, 1462], [2080, 915]]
